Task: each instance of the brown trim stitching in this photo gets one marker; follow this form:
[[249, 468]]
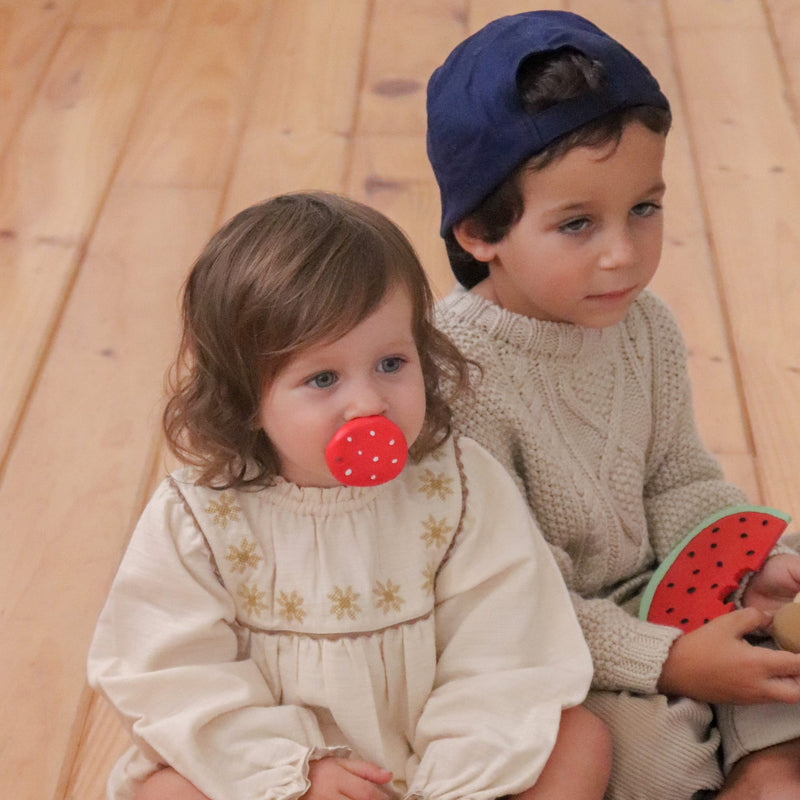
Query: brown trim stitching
[[334, 636], [464, 492]]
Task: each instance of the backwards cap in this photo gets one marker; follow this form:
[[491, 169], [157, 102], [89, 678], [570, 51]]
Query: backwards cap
[[478, 130]]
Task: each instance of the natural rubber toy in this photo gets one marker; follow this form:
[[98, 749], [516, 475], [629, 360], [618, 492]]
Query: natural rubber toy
[[694, 582], [366, 451], [786, 626]]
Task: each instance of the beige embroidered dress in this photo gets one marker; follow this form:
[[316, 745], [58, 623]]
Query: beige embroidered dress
[[421, 625]]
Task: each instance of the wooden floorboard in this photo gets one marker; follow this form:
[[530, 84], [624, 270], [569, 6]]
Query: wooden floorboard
[[130, 130]]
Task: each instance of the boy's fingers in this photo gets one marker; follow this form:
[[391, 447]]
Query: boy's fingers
[[746, 620]]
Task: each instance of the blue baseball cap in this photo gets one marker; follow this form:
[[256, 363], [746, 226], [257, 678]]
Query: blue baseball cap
[[478, 130]]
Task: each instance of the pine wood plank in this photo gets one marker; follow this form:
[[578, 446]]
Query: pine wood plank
[[34, 280], [102, 742], [784, 18], [130, 14], [52, 179], [310, 67], [28, 38], [60, 163], [407, 41], [74, 483], [303, 106], [390, 169], [747, 154], [392, 174], [188, 129]]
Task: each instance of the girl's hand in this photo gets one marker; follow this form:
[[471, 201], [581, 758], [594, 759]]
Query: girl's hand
[[775, 584], [715, 665], [335, 778]]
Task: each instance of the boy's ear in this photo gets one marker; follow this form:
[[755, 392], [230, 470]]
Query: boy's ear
[[466, 233]]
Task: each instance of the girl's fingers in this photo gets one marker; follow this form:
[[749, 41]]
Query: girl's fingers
[[367, 771]]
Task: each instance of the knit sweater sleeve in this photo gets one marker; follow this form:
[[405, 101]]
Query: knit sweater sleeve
[[684, 482]]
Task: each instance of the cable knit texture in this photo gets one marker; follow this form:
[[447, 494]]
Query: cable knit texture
[[597, 427]]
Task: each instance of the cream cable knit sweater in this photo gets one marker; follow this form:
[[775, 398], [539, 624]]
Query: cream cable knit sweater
[[598, 429]]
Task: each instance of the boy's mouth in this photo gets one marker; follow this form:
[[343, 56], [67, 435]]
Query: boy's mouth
[[619, 294]]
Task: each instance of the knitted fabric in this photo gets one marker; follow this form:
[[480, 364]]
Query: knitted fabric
[[597, 427]]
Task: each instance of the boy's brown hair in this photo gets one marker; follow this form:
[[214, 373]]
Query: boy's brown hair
[[292, 272]]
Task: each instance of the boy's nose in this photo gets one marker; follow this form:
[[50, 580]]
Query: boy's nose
[[619, 251]]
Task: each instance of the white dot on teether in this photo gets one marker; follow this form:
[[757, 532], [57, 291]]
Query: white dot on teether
[[391, 442], [349, 438], [375, 458], [348, 472], [372, 433], [360, 453], [394, 461], [372, 477]]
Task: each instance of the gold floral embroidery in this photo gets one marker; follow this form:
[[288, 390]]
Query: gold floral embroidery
[[388, 596], [290, 606], [253, 598], [429, 573], [223, 511], [244, 556], [344, 602], [435, 483], [435, 531]]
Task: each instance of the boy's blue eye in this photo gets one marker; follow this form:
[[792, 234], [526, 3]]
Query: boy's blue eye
[[645, 209], [576, 225], [390, 364], [324, 380]]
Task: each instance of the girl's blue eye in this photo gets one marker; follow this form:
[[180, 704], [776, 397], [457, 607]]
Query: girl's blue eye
[[324, 380], [390, 364]]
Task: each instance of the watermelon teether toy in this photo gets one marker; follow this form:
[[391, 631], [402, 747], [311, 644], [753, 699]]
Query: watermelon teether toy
[[366, 451], [695, 580]]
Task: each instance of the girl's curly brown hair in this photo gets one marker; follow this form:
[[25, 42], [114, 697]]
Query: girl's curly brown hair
[[279, 277]]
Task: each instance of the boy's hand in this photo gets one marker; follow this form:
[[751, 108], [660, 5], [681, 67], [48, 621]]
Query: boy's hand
[[715, 665], [336, 778], [775, 584]]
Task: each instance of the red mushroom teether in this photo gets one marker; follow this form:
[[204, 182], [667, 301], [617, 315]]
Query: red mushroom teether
[[367, 451]]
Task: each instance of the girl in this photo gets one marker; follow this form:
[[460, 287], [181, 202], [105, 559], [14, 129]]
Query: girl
[[275, 632]]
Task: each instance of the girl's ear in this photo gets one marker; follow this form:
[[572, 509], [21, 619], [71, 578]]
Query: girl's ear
[[467, 235]]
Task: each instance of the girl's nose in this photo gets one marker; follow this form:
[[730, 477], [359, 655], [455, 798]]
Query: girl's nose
[[619, 251], [365, 400]]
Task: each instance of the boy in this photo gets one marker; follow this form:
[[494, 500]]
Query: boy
[[547, 140]]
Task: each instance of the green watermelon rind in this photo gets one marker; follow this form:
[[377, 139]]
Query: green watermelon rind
[[664, 567]]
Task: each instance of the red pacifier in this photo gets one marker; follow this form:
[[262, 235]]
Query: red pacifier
[[366, 451]]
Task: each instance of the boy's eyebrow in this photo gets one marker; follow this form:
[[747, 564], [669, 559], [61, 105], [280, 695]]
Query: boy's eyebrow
[[657, 188]]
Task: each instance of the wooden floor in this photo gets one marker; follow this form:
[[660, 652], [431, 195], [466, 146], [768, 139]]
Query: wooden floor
[[129, 129]]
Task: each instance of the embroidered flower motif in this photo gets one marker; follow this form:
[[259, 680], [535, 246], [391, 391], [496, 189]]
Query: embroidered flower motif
[[290, 606], [435, 531], [429, 574], [344, 602], [244, 556], [224, 510], [253, 599], [388, 596], [435, 484]]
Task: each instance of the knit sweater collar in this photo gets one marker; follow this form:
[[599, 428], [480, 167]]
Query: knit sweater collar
[[534, 336]]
